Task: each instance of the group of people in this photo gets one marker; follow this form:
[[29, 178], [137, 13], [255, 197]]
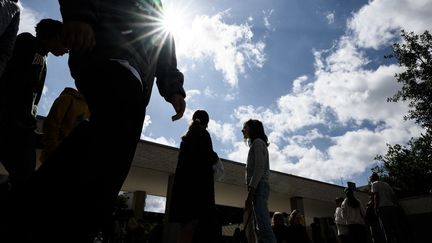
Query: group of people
[[193, 196], [113, 62], [380, 220]]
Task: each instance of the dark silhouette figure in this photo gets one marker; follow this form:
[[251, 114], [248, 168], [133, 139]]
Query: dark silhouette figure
[[117, 49], [384, 200], [341, 224], [257, 175], [9, 22], [372, 222], [353, 213], [316, 231], [296, 229], [20, 91], [192, 198], [280, 230], [67, 111]]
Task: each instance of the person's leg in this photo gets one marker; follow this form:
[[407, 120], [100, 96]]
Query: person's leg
[[387, 217], [88, 169], [18, 155], [265, 232], [117, 109]]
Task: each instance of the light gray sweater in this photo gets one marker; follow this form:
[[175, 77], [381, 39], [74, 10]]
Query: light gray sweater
[[257, 166]]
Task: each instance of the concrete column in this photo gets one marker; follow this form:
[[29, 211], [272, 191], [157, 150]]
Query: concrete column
[[138, 203], [297, 203], [170, 229]]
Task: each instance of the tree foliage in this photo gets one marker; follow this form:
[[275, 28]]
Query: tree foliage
[[409, 167], [415, 55]]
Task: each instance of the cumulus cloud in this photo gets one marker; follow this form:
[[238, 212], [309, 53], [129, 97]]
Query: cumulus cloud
[[230, 46], [28, 19], [346, 92], [155, 204], [330, 17], [380, 21], [151, 138]]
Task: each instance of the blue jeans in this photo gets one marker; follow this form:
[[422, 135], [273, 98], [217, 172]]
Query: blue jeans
[[262, 216]]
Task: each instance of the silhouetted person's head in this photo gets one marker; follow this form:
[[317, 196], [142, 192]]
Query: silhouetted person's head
[[374, 177], [48, 32], [278, 218], [352, 200], [253, 129], [200, 120], [296, 218], [339, 201], [201, 117]]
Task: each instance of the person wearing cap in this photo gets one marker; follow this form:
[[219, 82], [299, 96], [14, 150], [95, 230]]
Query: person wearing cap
[[353, 214]]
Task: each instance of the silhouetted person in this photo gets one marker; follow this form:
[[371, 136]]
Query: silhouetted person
[[385, 205], [67, 112], [280, 230], [20, 91], [372, 222], [192, 198], [316, 231], [117, 49], [257, 175], [341, 224], [296, 229], [9, 22], [353, 213]]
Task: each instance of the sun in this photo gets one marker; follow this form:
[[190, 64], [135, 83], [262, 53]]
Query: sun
[[174, 19]]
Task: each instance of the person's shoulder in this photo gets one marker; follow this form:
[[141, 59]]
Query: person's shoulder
[[259, 144], [25, 41], [26, 36]]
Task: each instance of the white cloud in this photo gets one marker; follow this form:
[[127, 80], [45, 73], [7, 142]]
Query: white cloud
[[344, 86], [155, 204], [266, 19], [28, 19], [190, 94], [231, 47], [160, 140], [330, 17], [378, 22], [225, 132]]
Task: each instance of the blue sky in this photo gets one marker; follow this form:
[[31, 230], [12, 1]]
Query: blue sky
[[312, 70]]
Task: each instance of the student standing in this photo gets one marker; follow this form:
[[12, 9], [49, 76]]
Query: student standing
[[257, 176], [193, 199]]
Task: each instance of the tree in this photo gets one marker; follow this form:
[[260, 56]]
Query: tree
[[415, 54], [409, 167]]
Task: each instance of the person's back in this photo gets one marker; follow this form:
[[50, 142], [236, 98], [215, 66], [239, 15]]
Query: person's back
[[67, 111], [385, 193], [387, 211]]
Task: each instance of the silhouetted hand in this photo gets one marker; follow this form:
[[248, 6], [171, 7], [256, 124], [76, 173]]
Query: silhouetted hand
[[179, 105], [78, 36]]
